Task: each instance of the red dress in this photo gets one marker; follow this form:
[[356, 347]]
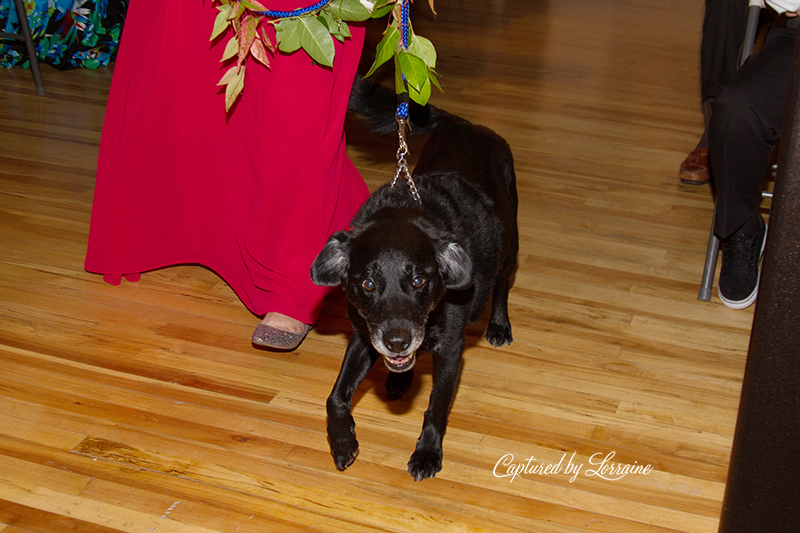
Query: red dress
[[254, 194]]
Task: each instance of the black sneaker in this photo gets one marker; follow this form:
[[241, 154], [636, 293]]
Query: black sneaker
[[739, 275]]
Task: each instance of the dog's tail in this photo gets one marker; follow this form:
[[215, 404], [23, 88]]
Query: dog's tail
[[377, 105]]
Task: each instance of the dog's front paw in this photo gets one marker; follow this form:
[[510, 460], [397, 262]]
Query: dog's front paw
[[398, 384], [344, 453], [344, 446], [425, 463], [499, 334]]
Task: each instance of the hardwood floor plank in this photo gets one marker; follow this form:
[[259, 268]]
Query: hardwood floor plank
[[191, 512], [32, 519]]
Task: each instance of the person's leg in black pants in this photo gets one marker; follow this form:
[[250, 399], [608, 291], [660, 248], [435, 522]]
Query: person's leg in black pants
[[747, 118], [723, 33]]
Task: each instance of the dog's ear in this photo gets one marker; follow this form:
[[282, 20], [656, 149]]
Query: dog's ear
[[330, 266], [455, 265]]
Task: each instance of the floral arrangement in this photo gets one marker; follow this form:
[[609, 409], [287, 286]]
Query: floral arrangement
[[313, 29]]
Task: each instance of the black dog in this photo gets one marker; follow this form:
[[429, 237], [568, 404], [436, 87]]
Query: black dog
[[416, 274]]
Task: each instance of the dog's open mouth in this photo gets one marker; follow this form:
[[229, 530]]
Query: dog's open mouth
[[400, 364]]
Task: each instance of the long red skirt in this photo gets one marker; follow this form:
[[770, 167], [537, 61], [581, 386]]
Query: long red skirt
[[253, 194]]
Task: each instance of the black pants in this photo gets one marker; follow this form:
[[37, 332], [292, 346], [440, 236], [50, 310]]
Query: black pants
[[747, 119], [723, 33]]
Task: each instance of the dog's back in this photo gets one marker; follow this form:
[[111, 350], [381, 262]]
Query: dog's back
[[455, 144]]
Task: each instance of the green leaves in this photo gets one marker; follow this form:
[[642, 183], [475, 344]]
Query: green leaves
[[222, 21], [386, 48], [337, 27], [423, 48], [231, 49], [413, 68], [308, 33], [314, 33], [382, 8], [416, 64], [234, 82], [353, 10]]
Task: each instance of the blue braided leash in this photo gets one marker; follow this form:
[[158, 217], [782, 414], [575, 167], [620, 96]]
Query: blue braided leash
[[402, 110], [297, 12], [404, 22], [402, 107]]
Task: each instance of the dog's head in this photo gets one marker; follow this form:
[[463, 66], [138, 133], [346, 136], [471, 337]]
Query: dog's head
[[394, 274]]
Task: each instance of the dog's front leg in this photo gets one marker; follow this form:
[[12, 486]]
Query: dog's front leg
[[426, 460], [358, 359]]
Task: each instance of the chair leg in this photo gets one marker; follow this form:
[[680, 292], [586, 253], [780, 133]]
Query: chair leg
[[751, 31], [25, 30], [712, 252]]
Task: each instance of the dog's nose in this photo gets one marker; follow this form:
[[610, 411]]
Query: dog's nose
[[397, 340]]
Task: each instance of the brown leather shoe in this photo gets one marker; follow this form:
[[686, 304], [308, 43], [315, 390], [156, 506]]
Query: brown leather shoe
[[695, 168]]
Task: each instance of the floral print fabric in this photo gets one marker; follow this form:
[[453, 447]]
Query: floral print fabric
[[67, 33]]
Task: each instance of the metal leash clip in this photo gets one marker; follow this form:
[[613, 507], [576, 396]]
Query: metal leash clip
[[402, 164]]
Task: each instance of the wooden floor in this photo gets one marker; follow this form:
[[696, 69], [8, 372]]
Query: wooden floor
[[144, 407]]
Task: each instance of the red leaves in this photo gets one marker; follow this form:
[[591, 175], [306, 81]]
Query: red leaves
[[249, 39], [246, 31]]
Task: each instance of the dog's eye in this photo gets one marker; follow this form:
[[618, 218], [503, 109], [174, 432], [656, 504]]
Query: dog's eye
[[368, 285], [418, 282]]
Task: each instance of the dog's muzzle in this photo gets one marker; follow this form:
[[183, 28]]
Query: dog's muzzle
[[398, 346]]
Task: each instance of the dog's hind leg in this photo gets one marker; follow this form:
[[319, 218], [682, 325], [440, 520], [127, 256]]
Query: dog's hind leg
[[358, 359], [498, 333]]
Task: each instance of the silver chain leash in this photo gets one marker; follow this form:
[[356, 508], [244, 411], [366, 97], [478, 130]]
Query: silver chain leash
[[402, 165]]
